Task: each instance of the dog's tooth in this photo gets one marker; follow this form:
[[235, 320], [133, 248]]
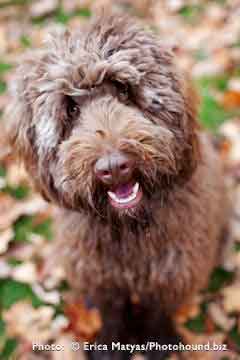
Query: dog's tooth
[[112, 195], [125, 200], [128, 199], [136, 188]]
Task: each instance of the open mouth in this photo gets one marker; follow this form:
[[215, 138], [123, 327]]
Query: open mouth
[[125, 196]]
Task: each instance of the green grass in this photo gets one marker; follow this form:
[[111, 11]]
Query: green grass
[[19, 192], [83, 13], [237, 247], [219, 82], [3, 86], [3, 171], [212, 114], [191, 13], [44, 229], [8, 349], [235, 337], [5, 3], [12, 291], [4, 67], [7, 345], [24, 227], [62, 17], [14, 262], [220, 277], [25, 41], [196, 324], [200, 54]]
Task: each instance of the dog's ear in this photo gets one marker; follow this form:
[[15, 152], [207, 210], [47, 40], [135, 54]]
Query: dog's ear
[[18, 116], [190, 127], [27, 89]]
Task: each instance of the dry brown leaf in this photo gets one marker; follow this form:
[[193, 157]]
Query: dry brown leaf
[[59, 323], [16, 174], [234, 84], [5, 237], [231, 298], [85, 323], [50, 297], [52, 277], [4, 100], [11, 209], [24, 251], [219, 317], [3, 40], [22, 317], [5, 269], [209, 326], [26, 272], [71, 5], [7, 216], [188, 311], [231, 131], [231, 99], [43, 7]]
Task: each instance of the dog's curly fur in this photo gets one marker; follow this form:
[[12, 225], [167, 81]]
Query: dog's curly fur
[[114, 86]]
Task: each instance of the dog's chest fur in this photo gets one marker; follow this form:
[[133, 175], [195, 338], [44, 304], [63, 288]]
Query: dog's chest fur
[[156, 260]]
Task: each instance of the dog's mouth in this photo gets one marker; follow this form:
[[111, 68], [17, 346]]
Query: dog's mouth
[[125, 196]]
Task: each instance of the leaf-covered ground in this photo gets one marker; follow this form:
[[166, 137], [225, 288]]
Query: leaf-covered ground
[[206, 37]]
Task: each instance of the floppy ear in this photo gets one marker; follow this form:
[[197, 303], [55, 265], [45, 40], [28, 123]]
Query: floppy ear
[[18, 119], [26, 89], [190, 127], [19, 113]]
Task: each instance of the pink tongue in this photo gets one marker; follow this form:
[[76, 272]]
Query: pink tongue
[[123, 190]]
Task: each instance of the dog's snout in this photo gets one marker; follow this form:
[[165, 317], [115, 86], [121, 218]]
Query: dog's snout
[[114, 168]]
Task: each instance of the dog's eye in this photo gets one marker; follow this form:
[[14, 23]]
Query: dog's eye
[[122, 89], [73, 109]]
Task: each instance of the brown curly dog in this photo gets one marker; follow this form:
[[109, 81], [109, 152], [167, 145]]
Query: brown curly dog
[[106, 125]]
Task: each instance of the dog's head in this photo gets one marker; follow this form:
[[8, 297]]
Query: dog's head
[[103, 119]]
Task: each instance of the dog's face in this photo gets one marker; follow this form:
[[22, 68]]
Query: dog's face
[[103, 120]]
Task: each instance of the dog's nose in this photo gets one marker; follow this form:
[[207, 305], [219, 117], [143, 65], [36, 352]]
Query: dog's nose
[[114, 168]]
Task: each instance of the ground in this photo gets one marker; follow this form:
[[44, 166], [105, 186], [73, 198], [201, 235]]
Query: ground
[[34, 301]]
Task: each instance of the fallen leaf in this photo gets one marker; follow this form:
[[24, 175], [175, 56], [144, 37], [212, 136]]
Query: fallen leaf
[[10, 209], [187, 312], [25, 272], [59, 323], [219, 317], [16, 174], [231, 99], [85, 323], [3, 40], [5, 269], [43, 7], [28, 323], [51, 297], [231, 298], [5, 238], [209, 326], [234, 84], [231, 131]]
